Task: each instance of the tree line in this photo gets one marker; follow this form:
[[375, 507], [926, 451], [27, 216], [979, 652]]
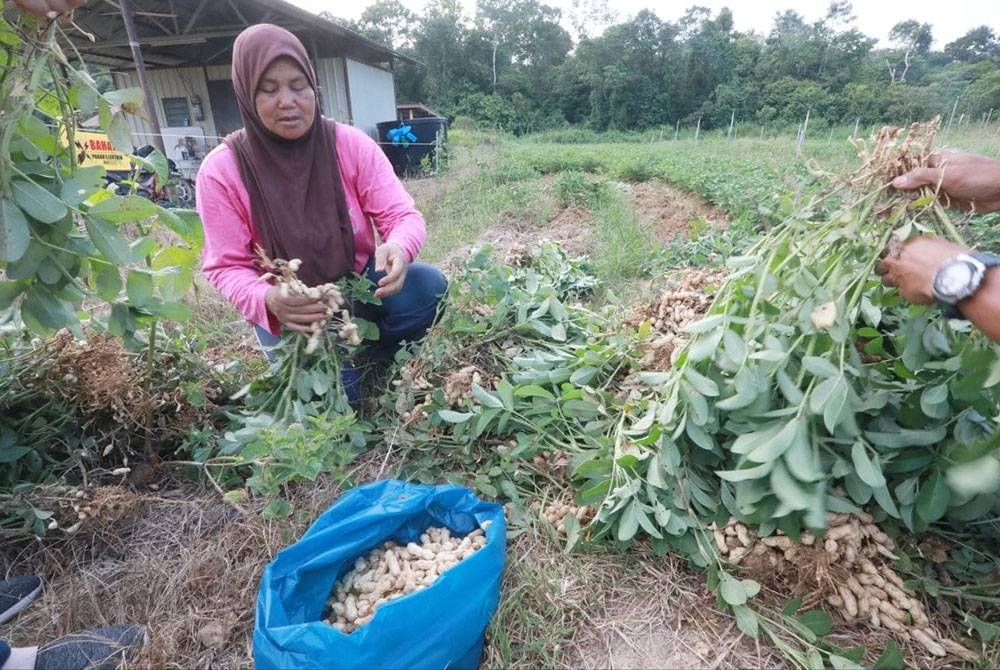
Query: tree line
[[512, 65]]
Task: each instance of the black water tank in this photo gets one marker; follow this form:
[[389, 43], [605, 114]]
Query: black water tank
[[406, 155]]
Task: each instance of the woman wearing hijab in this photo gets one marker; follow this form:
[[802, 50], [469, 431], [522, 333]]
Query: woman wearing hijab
[[303, 186]]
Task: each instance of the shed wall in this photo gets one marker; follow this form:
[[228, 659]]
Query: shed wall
[[373, 96]]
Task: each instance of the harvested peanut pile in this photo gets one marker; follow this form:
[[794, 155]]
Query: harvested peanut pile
[[668, 314], [848, 566], [392, 571], [557, 512]]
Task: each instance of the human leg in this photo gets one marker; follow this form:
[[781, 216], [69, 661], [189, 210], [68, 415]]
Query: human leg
[[16, 593]]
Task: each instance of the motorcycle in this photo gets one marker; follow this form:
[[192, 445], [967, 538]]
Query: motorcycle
[[178, 191]]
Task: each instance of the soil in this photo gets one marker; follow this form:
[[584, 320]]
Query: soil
[[671, 210]]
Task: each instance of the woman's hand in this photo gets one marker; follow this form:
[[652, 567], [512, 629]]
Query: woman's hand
[[295, 312], [967, 181], [43, 8], [390, 259], [911, 267]]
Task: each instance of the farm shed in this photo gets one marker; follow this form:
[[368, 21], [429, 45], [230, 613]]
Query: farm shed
[[186, 51]]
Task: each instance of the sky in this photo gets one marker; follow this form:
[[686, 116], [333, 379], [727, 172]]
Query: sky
[[949, 19]]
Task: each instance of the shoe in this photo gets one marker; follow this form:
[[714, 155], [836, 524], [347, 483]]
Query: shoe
[[16, 593], [98, 649]]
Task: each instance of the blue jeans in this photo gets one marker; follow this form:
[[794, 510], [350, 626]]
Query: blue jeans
[[404, 317]]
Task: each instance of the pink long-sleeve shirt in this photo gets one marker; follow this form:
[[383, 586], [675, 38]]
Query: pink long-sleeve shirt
[[376, 201]]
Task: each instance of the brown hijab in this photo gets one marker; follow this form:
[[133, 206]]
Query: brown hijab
[[297, 200]]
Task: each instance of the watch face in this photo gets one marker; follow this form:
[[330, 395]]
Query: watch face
[[956, 280]]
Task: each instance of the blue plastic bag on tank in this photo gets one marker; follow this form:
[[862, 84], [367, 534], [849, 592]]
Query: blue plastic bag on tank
[[441, 626]]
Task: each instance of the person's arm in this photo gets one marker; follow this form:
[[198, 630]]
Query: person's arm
[[45, 8], [912, 267], [385, 203], [963, 180], [228, 259]]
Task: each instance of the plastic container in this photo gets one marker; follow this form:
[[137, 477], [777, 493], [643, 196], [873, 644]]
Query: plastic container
[[407, 155]]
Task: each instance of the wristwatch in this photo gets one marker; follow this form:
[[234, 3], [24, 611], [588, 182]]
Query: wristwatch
[[960, 278]]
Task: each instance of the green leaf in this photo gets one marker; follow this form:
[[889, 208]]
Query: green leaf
[[628, 523], [108, 281], [701, 383], [11, 454], [119, 133], [746, 620], [15, 232], [734, 346], [891, 658], [171, 311], [485, 397], [787, 489], [704, 325], [820, 366], [43, 312], [139, 287], [885, 501], [934, 401], [841, 663], [818, 621], [186, 224], [987, 631], [451, 416], [175, 271], [932, 501], [770, 451], [746, 473], [868, 470], [801, 458], [10, 290], [108, 241], [703, 347], [732, 590], [37, 202], [126, 209], [277, 509], [83, 184]]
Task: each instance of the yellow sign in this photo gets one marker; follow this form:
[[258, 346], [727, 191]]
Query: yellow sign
[[94, 148]]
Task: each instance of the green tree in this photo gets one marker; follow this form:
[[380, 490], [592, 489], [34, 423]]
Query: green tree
[[976, 45], [387, 22]]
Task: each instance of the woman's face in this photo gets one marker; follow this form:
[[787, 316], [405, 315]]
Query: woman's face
[[285, 102]]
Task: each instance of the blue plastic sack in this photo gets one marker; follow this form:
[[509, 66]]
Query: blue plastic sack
[[442, 626]]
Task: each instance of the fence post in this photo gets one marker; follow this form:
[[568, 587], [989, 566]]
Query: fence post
[[802, 133], [732, 120], [697, 130], [677, 130], [854, 133], [952, 117]]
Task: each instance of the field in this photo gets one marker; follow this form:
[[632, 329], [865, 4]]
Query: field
[[634, 232]]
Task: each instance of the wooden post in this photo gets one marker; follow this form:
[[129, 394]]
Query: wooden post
[[140, 68], [677, 130], [802, 133], [732, 120], [697, 130], [854, 133], [952, 117]]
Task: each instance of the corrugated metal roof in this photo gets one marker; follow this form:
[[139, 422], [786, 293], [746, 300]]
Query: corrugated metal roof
[[176, 33]]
